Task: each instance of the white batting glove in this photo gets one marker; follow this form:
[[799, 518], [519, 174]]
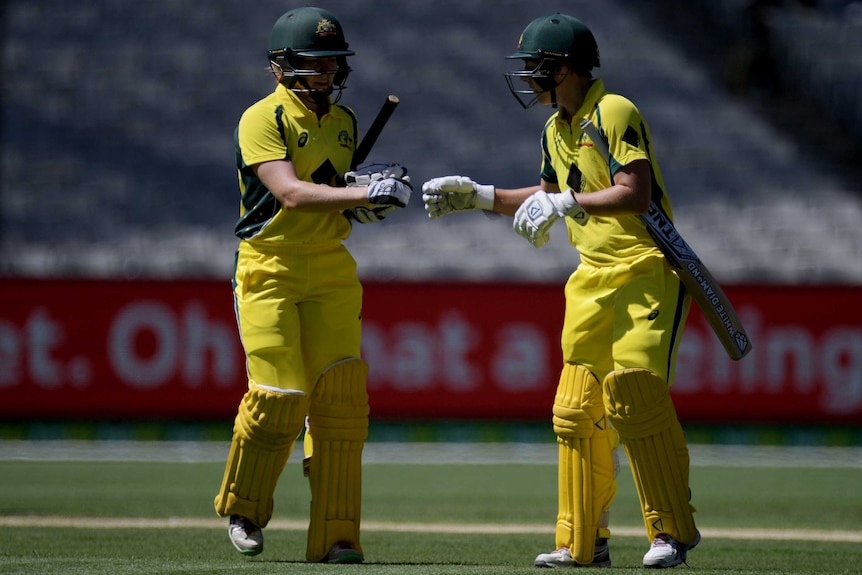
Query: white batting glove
[[364, 215], [537, 214], [390, 192], [449, 194]]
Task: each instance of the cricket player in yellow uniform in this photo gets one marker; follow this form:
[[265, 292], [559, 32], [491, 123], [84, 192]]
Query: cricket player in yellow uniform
[[297, 295], [625, 308]]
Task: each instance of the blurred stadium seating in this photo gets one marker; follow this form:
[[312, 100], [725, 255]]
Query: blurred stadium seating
[[117, 124]]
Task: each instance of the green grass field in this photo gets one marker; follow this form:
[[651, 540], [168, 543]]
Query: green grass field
[[130, 517]]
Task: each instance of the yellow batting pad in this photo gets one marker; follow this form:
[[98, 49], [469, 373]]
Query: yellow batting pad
[[338, 423], [586, 474], [639, 405], [266, 427]]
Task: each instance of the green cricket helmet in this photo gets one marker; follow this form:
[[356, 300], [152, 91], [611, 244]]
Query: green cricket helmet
[[545, 44], [308, 32]]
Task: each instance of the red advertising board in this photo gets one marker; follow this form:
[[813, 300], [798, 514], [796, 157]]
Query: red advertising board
[[169, 349]]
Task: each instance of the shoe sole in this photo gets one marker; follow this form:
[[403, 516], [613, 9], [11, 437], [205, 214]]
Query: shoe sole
[[350, 560], [247, 552], [600, 565], [345, 558], [659, 566]]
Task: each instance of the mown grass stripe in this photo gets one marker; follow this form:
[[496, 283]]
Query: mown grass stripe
[[28, 521], [423, 453]]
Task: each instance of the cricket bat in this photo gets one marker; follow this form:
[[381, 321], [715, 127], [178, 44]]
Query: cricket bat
[[364, 147], [697, 279], [692, 272]]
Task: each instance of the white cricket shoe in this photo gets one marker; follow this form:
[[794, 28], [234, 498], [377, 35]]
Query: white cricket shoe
[[245, 535], [562, 557], [666, 551]]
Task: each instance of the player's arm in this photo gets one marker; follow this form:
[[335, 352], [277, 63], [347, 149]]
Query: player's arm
[[507, 201], [281, 180], [630, 193]]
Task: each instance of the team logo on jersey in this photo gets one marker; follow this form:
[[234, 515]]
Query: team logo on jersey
[[303, 140], [344, 139], [326, 28]]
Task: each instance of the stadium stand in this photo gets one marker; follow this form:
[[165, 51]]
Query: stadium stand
[[117, 123]]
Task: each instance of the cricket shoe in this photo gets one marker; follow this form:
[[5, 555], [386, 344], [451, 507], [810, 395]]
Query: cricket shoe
[[562, 557], [245, 535], [666, 551], [342, 553]]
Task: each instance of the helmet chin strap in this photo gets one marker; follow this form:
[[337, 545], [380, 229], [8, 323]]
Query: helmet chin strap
[[320, 98]]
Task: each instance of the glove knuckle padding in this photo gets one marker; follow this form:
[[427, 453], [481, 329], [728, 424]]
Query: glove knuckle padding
[[338, 423], [587, 474], [389, 191], [265, 430], [365, 175], [640, 408]]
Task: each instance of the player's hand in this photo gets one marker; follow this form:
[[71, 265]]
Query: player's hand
[[449, 194], [365, 174], [390, 191], [365, 215], [537, 214]]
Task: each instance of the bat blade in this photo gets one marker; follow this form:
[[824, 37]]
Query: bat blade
[[374, 131], [698, 280]]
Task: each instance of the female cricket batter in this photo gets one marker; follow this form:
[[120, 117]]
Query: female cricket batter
[[625, 308], [298, 299]]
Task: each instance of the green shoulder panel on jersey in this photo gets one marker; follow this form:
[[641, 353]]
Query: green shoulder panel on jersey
[[548, 173], [279, 122]]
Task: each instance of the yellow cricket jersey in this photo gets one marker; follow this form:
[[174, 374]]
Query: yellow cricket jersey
[[571, 161], [281, 127]]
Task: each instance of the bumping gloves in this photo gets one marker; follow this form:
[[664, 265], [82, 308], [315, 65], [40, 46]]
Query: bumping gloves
[[533, 220], [389, 188]]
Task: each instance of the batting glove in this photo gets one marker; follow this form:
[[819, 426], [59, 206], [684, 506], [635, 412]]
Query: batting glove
[[537, 214], [364, 175], [363, 215], [456, 194], [390, 192]]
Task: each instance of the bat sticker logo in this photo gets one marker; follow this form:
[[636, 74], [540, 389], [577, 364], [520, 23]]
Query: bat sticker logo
[[741, 341]]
